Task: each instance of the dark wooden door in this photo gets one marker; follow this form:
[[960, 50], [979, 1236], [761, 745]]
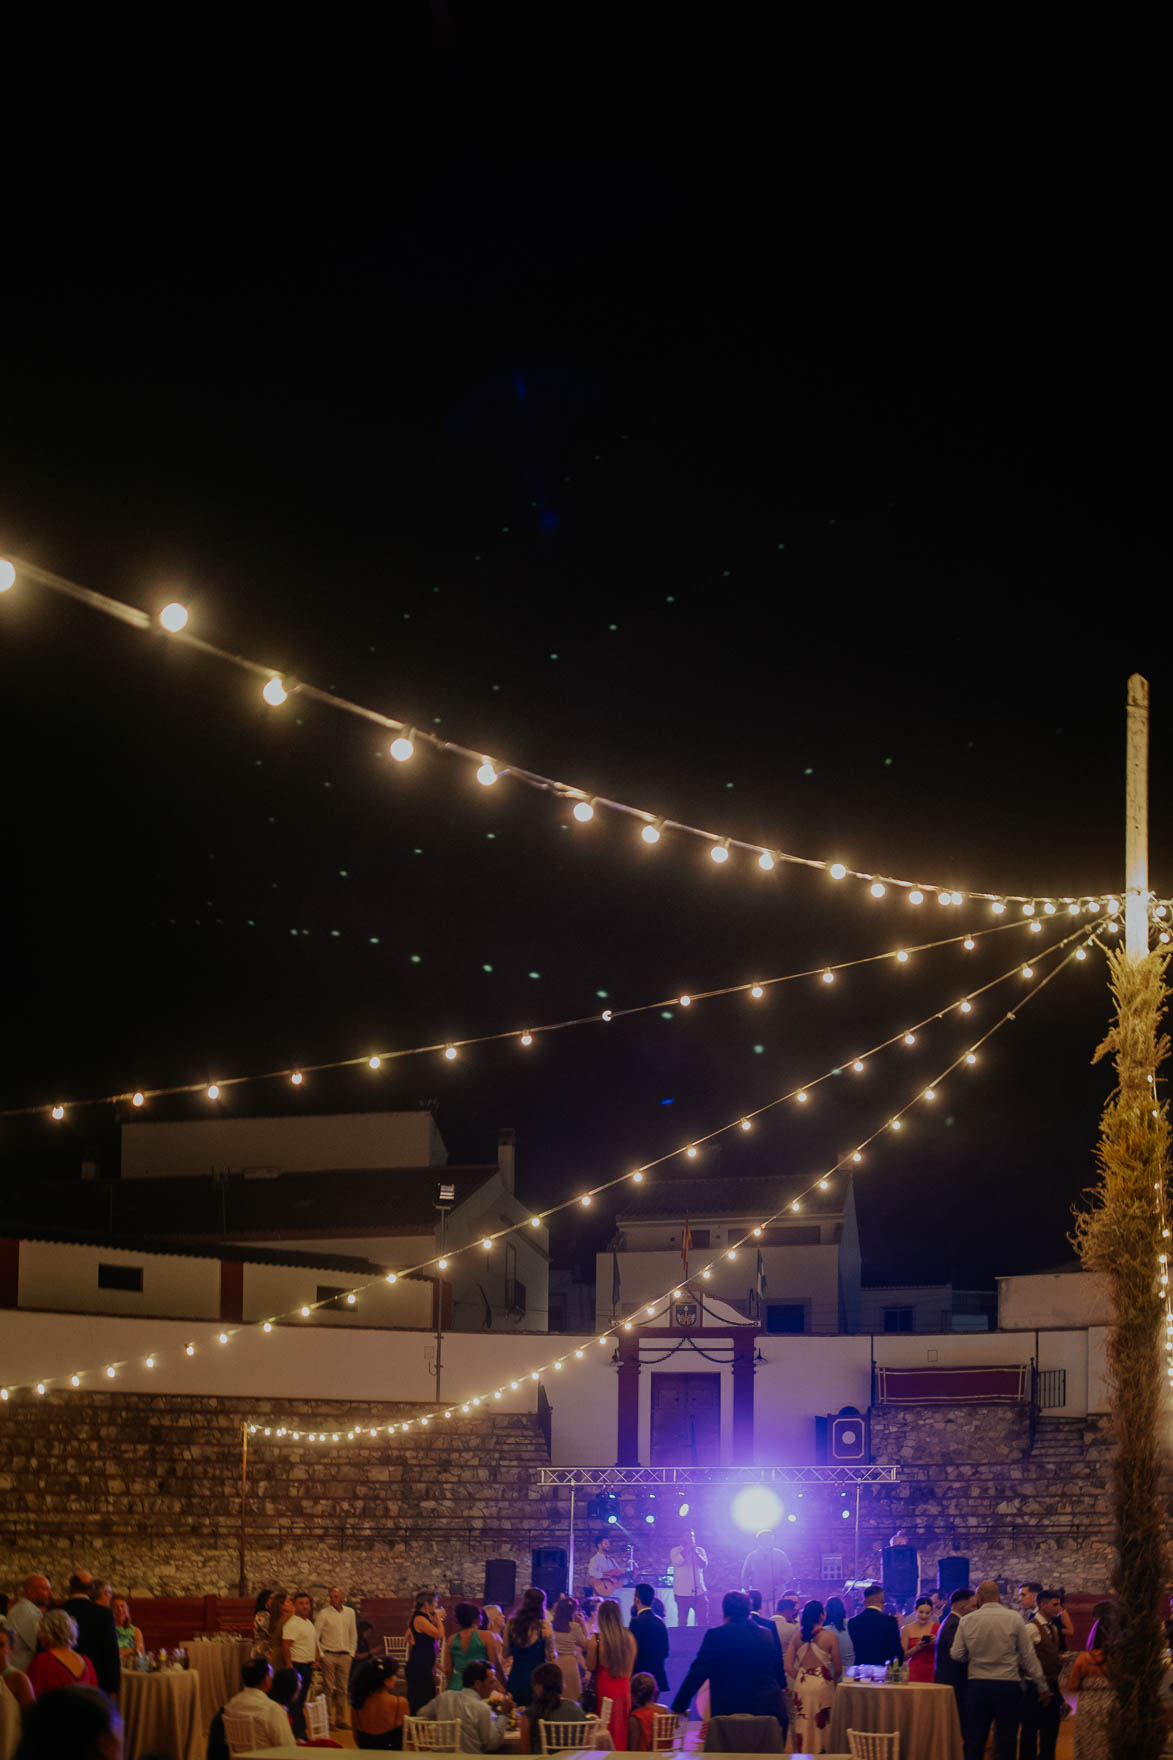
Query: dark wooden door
[[686, 1420]]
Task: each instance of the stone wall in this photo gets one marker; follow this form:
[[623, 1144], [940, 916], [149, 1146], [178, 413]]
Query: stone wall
[[146, 1491]]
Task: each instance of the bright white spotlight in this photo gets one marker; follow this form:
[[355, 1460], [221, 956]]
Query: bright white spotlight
[[756, 1507], [173, 617]]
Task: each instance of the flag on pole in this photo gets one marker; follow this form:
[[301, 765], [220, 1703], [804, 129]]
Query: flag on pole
[[615, 1283], [685, 1245]]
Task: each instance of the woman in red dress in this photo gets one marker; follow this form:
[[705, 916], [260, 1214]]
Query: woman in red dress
[[919, 1638], [57, 1663], [612, 1656]]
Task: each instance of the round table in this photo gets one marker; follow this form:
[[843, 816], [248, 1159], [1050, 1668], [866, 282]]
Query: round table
[[161, 1714], [218, 1666], [925, 1714]]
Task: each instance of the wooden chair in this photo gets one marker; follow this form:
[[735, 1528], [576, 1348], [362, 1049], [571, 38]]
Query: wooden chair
[[665, 1731], [396, 1647], [870, 1744], [557, 1735], [242, 1733], [317, 1719], [421, 1735]]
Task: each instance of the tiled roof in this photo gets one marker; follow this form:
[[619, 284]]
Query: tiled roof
[[185, 1249]]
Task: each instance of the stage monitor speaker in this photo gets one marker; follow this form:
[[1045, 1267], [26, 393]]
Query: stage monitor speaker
[[952, 1573], [549, 1570], [900, 1572], [501, 1582]]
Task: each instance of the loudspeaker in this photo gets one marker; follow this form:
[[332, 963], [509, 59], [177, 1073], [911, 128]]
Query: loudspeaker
[[549, 1570], [847, 1438], [952, 1573], [900, 1572], [501, 1582]]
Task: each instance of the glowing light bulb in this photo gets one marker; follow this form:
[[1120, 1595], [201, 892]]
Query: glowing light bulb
[[374, 1063], [857, 1066], [801, 1096], [910, 1038], [1048, 909], [956, 898], [75, 1380], [487, 774], [686, 1001], [527, 1038], [930, 1093], [173, 617], [902, 956], [274, 693], [1028, 971], [828, 977], [637, 1178], [443, 1264], [450, 1053], [706, 1274], [296, 1078], [732, 1253], [944, 898], [7, 579], [606, 1014], [1036, 928], [1073, 910], [997, 907], [150, 1362], [969, 944], [214, 1092], [971, 1057], [1081, 952], [895, 1124], [584, 812], [401, 748], [877, 889], [1113, 906], [59, 1112], [223, 1338], [966, 1006], [1028, 910], [487, 1244], [189, 1350], [757, 992], [137, 1098], [916, 896], [391, 1277], [746, 1125], [675, 1295], [267, 1327], [110, 1373], [650, 834], [691, 1152], [824, 1185], [305, 1313], [351, 1299], [585, 1200], [766, 862], [40, 1387], [796, 1205], [533, 1375], [535, 1222], [719, 852], [837, 871], [651, 1307], [757, 1231]]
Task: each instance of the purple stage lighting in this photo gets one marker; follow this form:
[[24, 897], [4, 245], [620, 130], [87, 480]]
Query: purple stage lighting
[[756, 1507]]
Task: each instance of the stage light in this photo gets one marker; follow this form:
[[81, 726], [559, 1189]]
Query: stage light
[[756, 1507], [683, 1510], [792, 1517], [173, 617], [611, 1521], [846, 1514], [650, 1519]]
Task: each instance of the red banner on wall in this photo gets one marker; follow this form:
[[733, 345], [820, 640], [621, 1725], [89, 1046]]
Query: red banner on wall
[[954, 1386]]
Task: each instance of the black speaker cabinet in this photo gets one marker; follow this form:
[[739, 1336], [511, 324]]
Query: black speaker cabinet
[[952, 1573], [501, 1582], [549, 1570], [900, 1572]]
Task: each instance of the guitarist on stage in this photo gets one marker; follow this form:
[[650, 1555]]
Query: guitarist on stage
[[605, 1572]]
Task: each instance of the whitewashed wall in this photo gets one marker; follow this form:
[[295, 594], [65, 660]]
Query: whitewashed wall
[[793, 1274], [57, 1276]]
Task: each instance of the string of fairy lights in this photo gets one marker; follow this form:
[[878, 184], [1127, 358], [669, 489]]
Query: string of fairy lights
[[1085, 936], [655, 1309], [277, 687], [450, 1049]]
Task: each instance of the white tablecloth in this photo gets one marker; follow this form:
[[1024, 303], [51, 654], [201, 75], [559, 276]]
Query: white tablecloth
[[161, 1714], [218, 1666]]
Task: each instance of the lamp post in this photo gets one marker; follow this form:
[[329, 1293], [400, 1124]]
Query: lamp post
[[443, 1204]]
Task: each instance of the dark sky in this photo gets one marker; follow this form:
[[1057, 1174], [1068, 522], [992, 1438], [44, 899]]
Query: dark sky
[[777, 458]]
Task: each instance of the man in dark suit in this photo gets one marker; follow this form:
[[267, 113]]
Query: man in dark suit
[[946, 1672], [741, 1666], [874, 1633], [651, 1636], [96, 1636], [758, 1618]]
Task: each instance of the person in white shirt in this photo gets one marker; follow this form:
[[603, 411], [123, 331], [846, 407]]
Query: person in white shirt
[[767, 1568], [24, 1617], [300, 1644], [253, 1701], [337, 1636], [482, 1730], [688, 1579]]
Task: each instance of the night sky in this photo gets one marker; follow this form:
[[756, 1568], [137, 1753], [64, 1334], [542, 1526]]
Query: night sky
[[776, 460]]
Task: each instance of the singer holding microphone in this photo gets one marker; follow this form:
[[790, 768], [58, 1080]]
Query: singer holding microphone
[[688, 1579]]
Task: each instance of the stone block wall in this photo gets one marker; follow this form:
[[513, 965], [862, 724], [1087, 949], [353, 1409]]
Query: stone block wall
[[145, 1490]]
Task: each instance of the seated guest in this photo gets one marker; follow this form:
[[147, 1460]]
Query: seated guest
[[377, 1710], [875, 1635], [14, 1679], [128, 1634], [253, 1701], [741, 1666], [547, 1706], [77, 1721], [57, 1662], [482, 1730], [641, 1724]]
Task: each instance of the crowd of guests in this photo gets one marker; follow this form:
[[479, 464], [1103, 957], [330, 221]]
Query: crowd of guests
[[75, 1642]]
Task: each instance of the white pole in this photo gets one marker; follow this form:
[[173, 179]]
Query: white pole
[[1136, 820]]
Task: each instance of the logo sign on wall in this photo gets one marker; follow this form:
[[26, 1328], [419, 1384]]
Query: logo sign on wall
[[686, 1314]]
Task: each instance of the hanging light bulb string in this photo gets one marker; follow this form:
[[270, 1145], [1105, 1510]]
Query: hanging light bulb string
[[279, 686], [741, 1121], [525, 1036], [362, 1430]]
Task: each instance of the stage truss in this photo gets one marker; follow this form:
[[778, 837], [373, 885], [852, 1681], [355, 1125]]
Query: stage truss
[[652, 1478]]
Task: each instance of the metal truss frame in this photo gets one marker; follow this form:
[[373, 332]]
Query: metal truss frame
[[653, 1478]]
